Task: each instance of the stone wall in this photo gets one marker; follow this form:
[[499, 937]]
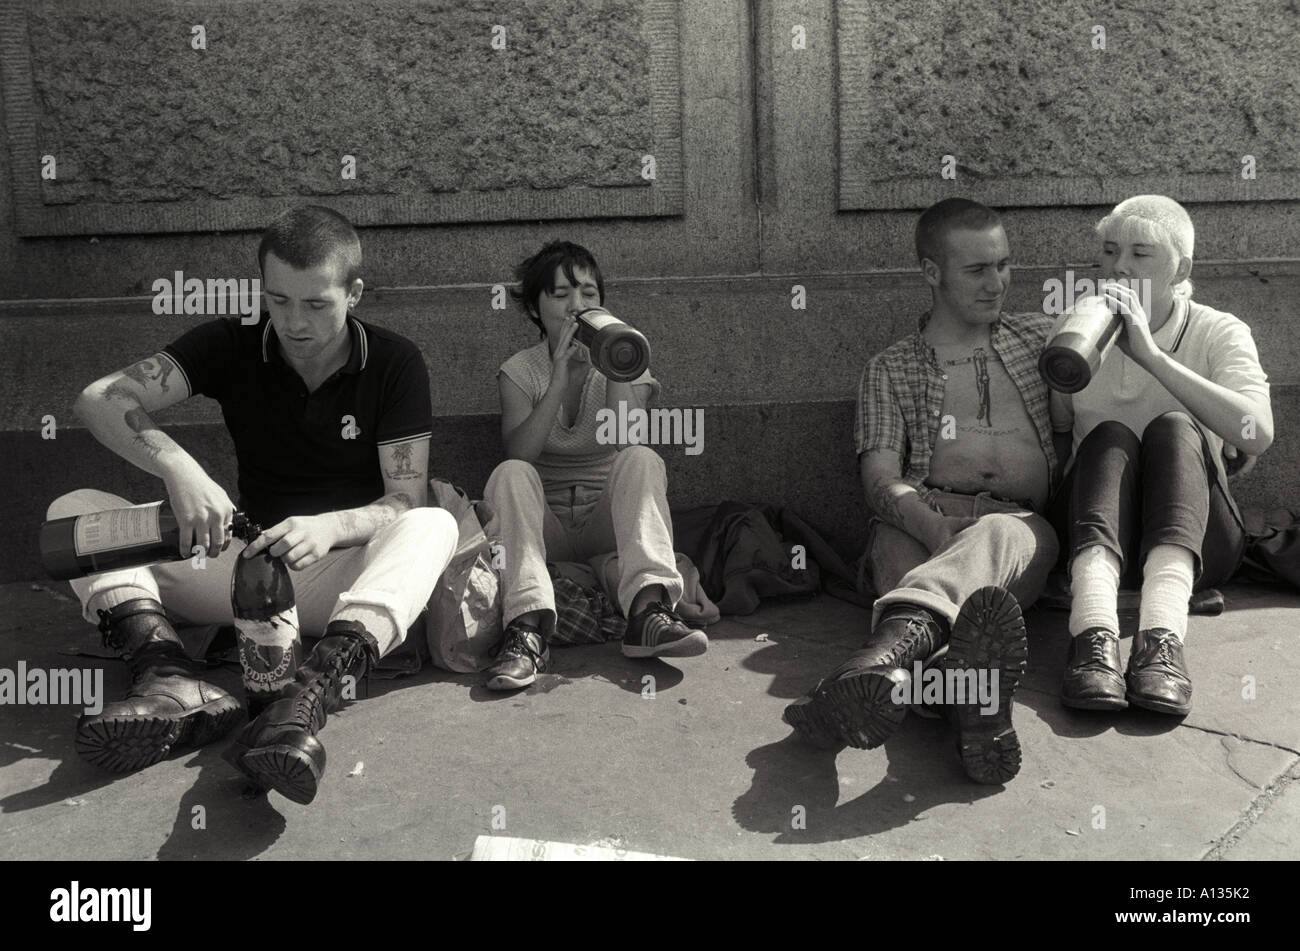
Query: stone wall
[[760, 186]]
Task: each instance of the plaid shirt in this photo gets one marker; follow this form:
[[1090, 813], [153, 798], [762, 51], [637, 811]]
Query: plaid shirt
[[900, 395]]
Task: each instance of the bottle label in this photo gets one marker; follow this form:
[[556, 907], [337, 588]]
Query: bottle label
[[598, 320], [269, 651], [116, 529]]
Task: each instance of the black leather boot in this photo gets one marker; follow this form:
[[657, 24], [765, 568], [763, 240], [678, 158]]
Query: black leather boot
[[856, 704], [988, 638], [279, 750], [168, 706]]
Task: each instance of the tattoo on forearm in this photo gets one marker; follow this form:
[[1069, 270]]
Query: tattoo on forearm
[[397, 502], [886, 504], [150, 443], [350, 523], [151, 440]]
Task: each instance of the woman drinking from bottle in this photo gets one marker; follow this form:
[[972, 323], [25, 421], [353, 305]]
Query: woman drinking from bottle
[[563, 494], [1177, 405]]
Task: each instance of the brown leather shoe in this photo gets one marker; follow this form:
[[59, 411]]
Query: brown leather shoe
[[1092, 672], [1157, 673], [855, 705]]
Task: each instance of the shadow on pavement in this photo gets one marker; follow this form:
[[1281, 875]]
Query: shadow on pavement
[[923, 772]]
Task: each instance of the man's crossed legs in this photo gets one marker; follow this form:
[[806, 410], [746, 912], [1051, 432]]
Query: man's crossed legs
[[361, 601], [966, 597]]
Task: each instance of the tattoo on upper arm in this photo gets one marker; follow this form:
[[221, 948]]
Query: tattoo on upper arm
[[403, 468], [151, 371], [118, 390]]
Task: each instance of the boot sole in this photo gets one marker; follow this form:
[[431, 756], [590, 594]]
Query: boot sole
[[290, 771], [857, 710], [692, 645], [989, 634], [126, 744]]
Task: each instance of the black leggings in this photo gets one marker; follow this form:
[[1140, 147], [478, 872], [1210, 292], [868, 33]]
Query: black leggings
[[1167, 483]]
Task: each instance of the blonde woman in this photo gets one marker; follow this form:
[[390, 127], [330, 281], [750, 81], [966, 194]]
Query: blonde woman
[[1177, 404]]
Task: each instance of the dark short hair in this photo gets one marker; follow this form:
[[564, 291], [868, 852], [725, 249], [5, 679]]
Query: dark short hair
[[312, 235], [537, 273], [951, 214]]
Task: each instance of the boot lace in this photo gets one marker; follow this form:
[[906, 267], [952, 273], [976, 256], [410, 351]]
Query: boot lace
[[516, 644], [907, 644], [310, 705]]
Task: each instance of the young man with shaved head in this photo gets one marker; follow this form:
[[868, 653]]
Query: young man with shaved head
[[331, 420], [956, 453]]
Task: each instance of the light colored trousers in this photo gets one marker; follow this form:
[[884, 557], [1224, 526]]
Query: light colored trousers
[[572, 524], [1009, 546], [393, 573]]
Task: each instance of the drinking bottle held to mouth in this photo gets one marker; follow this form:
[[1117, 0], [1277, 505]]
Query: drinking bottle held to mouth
[[1077, 349], [618, 350]]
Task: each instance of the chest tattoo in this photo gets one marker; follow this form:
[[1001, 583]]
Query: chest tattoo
[[981, 361]]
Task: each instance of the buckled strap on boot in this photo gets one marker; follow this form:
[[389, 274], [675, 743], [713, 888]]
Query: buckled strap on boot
[[108, 620]]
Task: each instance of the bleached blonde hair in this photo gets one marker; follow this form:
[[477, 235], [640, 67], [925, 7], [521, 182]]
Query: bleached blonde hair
[[1152, 219]]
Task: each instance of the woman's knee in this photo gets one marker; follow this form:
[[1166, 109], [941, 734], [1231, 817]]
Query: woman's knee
[[513, 472], [1109, 433], [640, 457], [1171, 426]]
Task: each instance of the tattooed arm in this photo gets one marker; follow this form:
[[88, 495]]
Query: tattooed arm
[[116, 410], [304, 539], [897, 503]]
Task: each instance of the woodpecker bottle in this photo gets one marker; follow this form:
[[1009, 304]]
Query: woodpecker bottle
[[618, 350], [266, 621]]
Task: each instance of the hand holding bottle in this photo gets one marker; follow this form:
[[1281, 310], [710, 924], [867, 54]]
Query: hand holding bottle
[[1136, 341], [566, 356], [202, 508], [298, 541]]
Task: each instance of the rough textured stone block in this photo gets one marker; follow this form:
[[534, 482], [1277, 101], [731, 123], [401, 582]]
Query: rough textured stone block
[[150, 134], [1035, 114]]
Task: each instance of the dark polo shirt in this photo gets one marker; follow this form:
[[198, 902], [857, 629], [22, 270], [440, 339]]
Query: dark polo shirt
[[297, 453]]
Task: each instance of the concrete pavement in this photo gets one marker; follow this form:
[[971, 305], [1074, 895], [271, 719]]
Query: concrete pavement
[[700, 767]]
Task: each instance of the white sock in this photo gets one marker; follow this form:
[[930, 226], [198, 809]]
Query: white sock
[[1166, 589], [1094, 582]]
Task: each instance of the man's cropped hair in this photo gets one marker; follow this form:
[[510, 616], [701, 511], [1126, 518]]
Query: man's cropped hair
[[312, 235], [951, 214]]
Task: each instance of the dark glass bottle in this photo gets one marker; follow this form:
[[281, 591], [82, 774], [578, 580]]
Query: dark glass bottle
[[80, 545], [1077, 349], [266, 621], [618, 350]]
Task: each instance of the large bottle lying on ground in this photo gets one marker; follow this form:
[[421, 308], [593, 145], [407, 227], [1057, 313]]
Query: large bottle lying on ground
[[80, 545], [618, 350], [1080, 344], [266, 621]]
